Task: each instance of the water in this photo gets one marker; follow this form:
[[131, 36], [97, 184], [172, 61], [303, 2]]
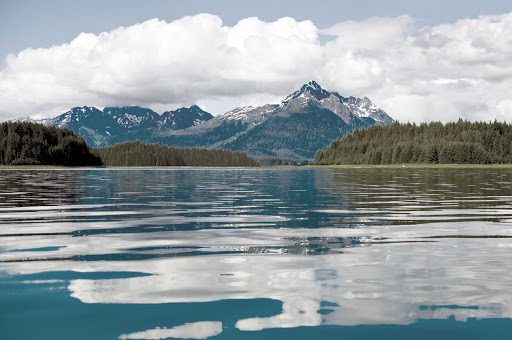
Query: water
[[256, 253]]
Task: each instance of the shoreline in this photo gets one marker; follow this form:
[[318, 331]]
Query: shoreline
[[403, 166], [341, 166]]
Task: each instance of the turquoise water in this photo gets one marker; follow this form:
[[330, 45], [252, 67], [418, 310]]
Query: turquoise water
[[256, 253]]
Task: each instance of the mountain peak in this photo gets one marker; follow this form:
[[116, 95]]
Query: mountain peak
[[367, 101], [312, 85], [193, 108], [82, 108], [310, 89], [184, 117]]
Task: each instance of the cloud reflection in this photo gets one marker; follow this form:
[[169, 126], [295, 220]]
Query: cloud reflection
[[195, 330], [381, 284], [390, 246]]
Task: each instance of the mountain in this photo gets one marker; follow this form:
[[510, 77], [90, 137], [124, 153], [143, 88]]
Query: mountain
[[305, 121], [94, 125], [101, 128]]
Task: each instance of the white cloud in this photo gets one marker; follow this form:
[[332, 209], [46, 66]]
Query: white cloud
[[444, 72], [435, 73]]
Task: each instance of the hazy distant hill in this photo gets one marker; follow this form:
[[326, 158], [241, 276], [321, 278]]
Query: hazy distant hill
[[305, 121]]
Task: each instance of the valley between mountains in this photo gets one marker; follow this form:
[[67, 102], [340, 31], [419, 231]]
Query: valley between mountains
[[305, 121]]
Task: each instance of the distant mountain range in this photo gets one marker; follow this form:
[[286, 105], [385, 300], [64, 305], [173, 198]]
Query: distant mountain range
[[305, 121]]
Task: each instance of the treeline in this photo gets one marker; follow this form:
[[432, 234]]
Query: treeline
[[23, 143], [272, 161], [461, 142], [142, 154]]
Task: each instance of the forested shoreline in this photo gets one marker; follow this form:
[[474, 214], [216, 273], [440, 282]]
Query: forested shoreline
[[142, 154], [461, 142], [23, 143]]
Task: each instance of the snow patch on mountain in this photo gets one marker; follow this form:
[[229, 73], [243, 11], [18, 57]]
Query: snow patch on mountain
[[240, 113]]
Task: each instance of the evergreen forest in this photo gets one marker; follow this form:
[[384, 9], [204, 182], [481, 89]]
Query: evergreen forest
[[23, 143], [460, 142], [142, 154]]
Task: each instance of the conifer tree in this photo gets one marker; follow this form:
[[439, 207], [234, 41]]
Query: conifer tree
[[460, 142]]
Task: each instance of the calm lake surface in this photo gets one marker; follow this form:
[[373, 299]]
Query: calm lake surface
[[256, 253]]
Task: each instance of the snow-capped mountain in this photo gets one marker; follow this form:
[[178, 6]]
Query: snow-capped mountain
[[348, 109], [134, 117], [305, 121], [101, 127]]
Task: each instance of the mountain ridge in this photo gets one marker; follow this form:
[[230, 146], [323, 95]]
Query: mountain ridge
[[303, 122]]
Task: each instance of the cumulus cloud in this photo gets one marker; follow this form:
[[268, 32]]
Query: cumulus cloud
[[445, 72], [461, 69]]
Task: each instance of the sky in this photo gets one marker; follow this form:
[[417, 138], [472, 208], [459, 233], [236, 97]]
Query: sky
[[418, 60]]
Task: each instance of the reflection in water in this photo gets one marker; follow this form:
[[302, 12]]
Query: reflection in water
[[335, 247], [195, 330]]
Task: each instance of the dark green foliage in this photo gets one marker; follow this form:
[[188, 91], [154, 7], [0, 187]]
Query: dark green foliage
[[142, 154], [269, 161], [462, 142], [36, 144]]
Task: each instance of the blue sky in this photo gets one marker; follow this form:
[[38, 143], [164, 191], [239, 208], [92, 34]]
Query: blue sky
[[386, 50]]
